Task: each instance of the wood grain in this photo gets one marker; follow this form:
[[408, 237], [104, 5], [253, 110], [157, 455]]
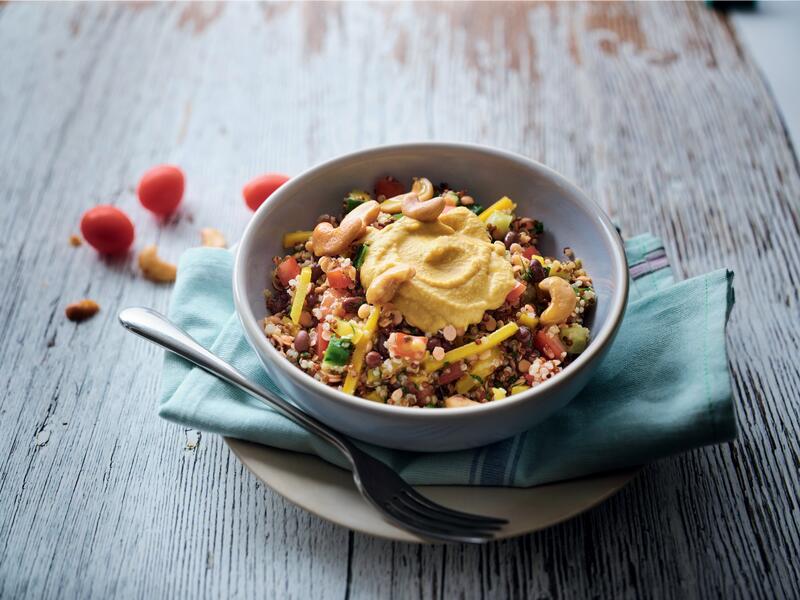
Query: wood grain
[[654, 109]]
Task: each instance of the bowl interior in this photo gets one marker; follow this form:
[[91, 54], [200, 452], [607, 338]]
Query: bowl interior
[[569, 218]]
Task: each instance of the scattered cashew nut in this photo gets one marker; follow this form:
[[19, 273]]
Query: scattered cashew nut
[[212, 238], [429, 210], [459, 402], [562, 300], [422, 189], [384, 286], [81, 310], [154, 268], [327, 240]]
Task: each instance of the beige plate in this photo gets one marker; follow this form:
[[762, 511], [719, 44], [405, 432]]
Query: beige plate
[[329, 492]]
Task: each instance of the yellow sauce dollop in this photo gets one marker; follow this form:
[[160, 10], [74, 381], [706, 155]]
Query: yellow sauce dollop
[[460, 274]]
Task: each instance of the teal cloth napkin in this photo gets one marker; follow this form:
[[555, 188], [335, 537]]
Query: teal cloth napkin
[[664, 387]]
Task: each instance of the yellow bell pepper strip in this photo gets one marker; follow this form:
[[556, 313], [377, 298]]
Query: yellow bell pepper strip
[[348, 329], [354, 371], [290, 240], [518, 389], [530, 320], [498, 393], [538, 258], [505, 203], [466, 383], [487, 342], [303, 284]]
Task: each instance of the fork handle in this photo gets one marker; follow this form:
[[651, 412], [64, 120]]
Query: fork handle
[[157, 328]]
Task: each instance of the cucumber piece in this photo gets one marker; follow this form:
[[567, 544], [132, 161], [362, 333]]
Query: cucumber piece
[[338, 352], [575, 338], [361, 255], [501, 222]]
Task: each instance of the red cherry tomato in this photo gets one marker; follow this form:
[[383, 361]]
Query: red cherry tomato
[[388, 187], [161, 189], [107, 229], [338, 279], [261, 188], [516, 293], [549, 345], [288, 270]]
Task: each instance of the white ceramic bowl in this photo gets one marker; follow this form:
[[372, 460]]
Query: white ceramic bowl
[[570, 219]]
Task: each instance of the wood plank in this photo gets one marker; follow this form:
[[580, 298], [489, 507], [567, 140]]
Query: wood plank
[[654, 109]]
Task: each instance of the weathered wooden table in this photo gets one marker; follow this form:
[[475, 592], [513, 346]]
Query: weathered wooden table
[[654, 109]]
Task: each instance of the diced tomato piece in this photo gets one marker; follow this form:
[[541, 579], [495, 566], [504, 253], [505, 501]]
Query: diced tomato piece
[[549, 345], [329, 298], [410, 347], [338, 280], [288, 270], [516, 293], [322, 344], [530, 251], [388, 187]]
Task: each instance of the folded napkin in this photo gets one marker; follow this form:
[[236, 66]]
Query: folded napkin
[[664, 387]]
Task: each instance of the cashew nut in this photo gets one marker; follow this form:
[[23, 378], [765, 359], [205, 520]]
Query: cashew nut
[[429, 210], [81, 310], [212, 238], [422, 189], [459, 402], [365, 212], [562, 300], [384, 286], [327, 240], [154, 268]]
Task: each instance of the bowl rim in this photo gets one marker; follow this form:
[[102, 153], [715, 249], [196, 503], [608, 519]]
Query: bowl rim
[[618, 300]]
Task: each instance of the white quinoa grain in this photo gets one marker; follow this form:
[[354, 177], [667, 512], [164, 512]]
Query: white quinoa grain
[[449, 333], [523, 366], [364, 311], [397, 394], [438, 353]]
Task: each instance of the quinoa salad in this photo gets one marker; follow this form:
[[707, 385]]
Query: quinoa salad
[[420, 297]]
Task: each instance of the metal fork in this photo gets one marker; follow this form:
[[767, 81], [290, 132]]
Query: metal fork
[[398, 502]]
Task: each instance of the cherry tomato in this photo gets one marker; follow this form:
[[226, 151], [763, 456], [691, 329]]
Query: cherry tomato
[[548, 345], [516, 293], [322, 344], [338, 280], [388, 187], [288, 270], [261, 188], [107, 229], [161, 189]]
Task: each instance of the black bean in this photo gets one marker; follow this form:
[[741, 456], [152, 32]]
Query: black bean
[[380, 344], [311, 300], [278, 301], [450, 374], [316, 272], [301, 341], [433, 342], [373, 359], [352, 303], [536, 273], [512, 237], [524, 334]]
